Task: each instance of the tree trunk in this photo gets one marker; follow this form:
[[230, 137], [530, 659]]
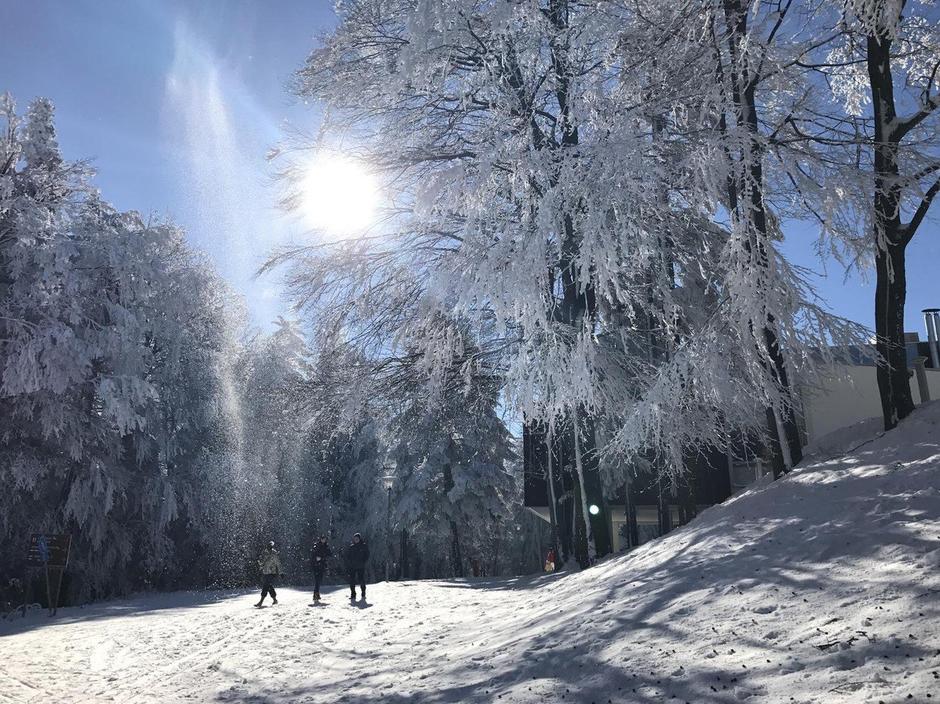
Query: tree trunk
[[687, 506], [633, 528], [553, 499], [748, 184], [582, 552], [579, 299], [455, 557], [893, 376], [585, 547], [662, 505], [403, 562], [891, 239], [496, 550]]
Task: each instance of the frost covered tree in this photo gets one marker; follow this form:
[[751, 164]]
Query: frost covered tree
[[560, 172], [450, 457], [459, 101], [902, 56], [439, 440], [866, 159], [109, 375]]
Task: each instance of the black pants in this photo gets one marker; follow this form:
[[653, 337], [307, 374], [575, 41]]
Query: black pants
[[357, 575], [317, 578], [267, 587]]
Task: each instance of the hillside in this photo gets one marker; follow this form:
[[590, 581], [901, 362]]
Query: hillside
[[821, 587]]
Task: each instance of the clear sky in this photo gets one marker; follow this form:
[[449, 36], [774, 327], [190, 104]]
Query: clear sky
[[177, 102]]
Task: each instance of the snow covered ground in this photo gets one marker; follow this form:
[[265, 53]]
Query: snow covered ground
[[822, 587]]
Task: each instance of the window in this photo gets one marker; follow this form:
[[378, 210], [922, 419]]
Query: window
[[743, 471]]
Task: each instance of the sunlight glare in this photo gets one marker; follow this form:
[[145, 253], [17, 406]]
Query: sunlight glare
[[337, 195]]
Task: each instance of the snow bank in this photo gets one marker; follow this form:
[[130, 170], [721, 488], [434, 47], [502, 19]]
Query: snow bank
[[821, 587]]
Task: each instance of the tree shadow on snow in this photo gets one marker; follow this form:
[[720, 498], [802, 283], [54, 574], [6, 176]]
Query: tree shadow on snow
[[619, 632]]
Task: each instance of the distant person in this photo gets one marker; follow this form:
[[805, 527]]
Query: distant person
[[319, 555], [357, 554], [270, 566], [550, 560]]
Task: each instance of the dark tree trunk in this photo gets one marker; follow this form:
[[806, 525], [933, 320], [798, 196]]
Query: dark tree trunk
[[599, 522], [891, 239], [403, 562], [893, 376], [662, 506], [751, 187], [456, 558], [581, 552], [687, 506], [552, 497], [496, 551], [633, 528], [579, 300]]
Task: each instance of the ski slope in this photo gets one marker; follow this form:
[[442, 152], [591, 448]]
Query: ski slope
[[822, 587]]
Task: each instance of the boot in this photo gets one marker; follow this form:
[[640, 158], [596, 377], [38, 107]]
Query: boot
[[275, 601]]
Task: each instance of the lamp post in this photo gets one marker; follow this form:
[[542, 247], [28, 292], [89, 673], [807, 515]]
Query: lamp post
[[388, 481]]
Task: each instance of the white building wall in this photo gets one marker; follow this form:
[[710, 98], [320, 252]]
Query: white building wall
[[850, 396]]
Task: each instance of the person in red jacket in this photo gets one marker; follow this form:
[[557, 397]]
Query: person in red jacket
[[550, 560]]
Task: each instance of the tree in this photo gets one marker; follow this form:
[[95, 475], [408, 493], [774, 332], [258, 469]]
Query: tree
[[109, 376], [913, 42], [451, 455], [519, 142], [857, 173]]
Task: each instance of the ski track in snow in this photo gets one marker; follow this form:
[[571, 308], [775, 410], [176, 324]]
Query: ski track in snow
[[820, 588]]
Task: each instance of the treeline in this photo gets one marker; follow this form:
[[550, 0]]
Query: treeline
[[140, 414]]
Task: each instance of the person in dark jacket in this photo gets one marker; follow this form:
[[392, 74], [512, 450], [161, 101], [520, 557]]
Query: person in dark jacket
[[319, 555], [357, 554]]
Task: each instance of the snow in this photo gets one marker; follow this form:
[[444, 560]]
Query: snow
[[821, 587]]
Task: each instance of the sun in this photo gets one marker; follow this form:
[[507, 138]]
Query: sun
[[337, 196]]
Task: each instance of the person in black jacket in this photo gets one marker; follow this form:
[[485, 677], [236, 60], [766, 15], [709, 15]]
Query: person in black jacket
[[357, 554], [318, 557]]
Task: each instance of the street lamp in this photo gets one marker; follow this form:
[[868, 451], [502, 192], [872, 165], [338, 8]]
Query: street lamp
[[388, 481], [594, 509]]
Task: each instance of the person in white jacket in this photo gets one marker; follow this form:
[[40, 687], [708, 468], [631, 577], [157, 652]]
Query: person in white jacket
[[270, 565]]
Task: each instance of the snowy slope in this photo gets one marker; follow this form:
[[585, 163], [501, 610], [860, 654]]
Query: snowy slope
[[822, 587]]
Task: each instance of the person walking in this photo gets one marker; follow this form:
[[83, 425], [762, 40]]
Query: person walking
[[270, 565], [319, 555], [357, 554]]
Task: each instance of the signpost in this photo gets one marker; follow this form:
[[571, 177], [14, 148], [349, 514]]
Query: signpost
[[51, 553]]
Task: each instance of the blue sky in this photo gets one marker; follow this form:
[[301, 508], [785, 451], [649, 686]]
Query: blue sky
[[177, 103]]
